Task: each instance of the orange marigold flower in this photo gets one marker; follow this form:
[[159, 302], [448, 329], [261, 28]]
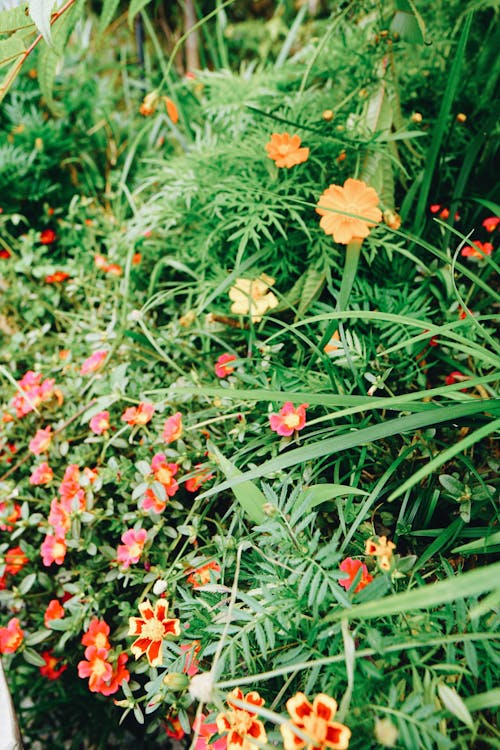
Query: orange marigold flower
[[202, 575], [349, 212], [11, 637], [381, 549], [241, 725], [285, 150], [94, 362], [172, 429], [477, 250], [49, 669], [317, 721], [100, 423], [41, 442], [53, 550], [140, 414], [352, 568], [151, 629], [222, 368], [96, 668], [54, 611], [491, 223], [41, 474], [289, 419], [15, 560], [97, 635]]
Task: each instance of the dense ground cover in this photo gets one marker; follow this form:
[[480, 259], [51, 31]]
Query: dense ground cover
[[247, 447]]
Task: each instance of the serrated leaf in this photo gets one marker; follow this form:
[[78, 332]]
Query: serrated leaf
[[41, 12], [13, 19], [454, 704]]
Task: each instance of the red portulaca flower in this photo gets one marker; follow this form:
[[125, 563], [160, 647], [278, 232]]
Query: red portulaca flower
[[222, 368], [289, 419], [477, 250], [352, 567], [317, 721], [53, 550], [172, 429], [96, 668], [47, 237], [50, 669], [491, 223], [100, 423], [11, 637], [205, 732], [54, 611], [41, 474], [139, 415], [15, 560], [241, 725], [151, 629], [203, 475], [41, 442], [97, 635]]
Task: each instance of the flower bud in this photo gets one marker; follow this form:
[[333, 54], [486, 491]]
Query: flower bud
[[176, 681]]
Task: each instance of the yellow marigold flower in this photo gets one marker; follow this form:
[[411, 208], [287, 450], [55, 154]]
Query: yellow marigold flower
[[285, 150], [242, 726], [251, 296], [349, 212], [317, 721]]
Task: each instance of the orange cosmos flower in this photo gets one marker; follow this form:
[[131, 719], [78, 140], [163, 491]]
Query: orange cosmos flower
[[41, 474], [11, 637], [352, 567], [317, 721], [202, 575], [96, 668], [41, 442], [49, 669], [222, 368], [382, 550], [53, 550], [94, 362], [100, 422], [285, 150], [140, 415], [242, 726], [54, 611], [172, 429], [477, 250], [151, 629], [15, 560], [289, 419], [349, 212], [97, 635]]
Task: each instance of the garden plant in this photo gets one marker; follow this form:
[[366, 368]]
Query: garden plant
[[249, 372]]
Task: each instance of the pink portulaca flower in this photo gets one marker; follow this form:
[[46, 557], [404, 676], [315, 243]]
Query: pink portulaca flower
[[94, 362], [41, 442], [139, 415], [172, 429], [133, 544], [53, 550], [41, 474], [222, 368], [100, 422], [289, 419]]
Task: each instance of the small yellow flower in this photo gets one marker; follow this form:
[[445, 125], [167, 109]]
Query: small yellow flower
[[380, 548], [252, 296]]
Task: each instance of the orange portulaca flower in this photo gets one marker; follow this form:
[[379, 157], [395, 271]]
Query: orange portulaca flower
[[172, 429], [140, 414], [41, 474], [119, 674], [477, 250], [491, 223], [317, 721], [97, 635], [151, 629], [289, 419], [349, 212], [382, 550], [352, 567], [285, 150], [242, 726], [9, 513], [11, 637], [94, 362], [54, 611], [41, 442], [96, 668], [203, 475], [15, 560], [251, 296]]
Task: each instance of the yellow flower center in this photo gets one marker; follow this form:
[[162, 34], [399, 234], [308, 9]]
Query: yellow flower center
[[153, 629], [164, 475], [316, 727], [99, 667], [291, 421], [240, 721], [100, 640]]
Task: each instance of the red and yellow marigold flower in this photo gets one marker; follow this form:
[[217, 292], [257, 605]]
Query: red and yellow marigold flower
[[289, 419], [172, 429], [139, 415], [50, 669], [317, 721], [11, 637], [241, 725], [349, 212], [352, 568], [152, 628], [285, 150], [54, 611]]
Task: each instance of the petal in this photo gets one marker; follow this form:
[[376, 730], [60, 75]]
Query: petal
[[146, 610], [337, 736], [290, 740], [298, 706], [257, 731], [223, 724], [234, 741], [325, 707], [135, 625], [140, 646], [154, 653], [161, 609]]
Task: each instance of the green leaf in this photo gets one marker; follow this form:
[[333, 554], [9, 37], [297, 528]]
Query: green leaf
[[47, 62], [41, 12], [33, 658], [135, 7], [490, 699], [480, 545], [313, 283], [109, 8], [321, 493], [454, 704], [27, 583], [408, 23], [11, 48], [251, 499]]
